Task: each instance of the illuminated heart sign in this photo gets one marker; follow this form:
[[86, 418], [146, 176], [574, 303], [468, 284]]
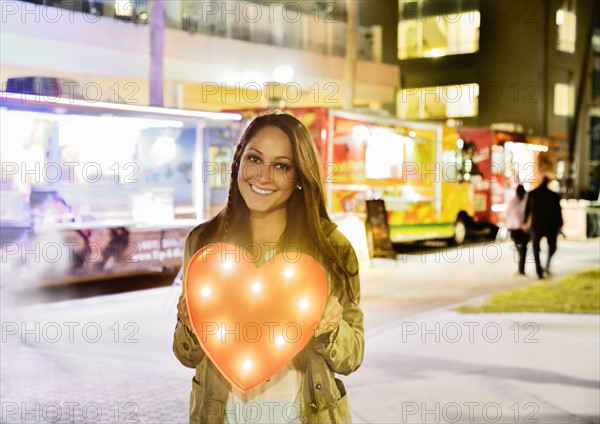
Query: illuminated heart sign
[[251, 321]]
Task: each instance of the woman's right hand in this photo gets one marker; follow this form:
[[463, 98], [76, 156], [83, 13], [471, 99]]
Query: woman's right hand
[[182, 311]]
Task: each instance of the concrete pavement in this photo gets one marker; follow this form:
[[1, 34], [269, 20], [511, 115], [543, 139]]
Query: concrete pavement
[[443, 366], [108, 359]]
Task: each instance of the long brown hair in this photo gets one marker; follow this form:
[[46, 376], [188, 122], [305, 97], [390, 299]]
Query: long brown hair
[[305, 208]]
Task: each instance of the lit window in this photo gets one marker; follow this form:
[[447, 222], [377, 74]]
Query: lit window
[[448, 101], [427, 31], [567, 31], [562, 99]]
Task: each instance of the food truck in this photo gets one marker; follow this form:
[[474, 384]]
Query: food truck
[[502, 157], [404, 180], [92, 189]]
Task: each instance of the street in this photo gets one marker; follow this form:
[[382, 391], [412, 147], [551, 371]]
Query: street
[[108, 358]]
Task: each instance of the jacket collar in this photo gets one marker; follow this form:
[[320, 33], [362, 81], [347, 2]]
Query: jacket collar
[[328, 226]]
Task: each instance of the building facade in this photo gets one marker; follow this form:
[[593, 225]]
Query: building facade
[[526, 66], [218, 54]]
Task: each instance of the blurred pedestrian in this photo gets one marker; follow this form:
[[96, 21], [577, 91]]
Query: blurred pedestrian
[[543, 216], [276, 196], [515, 222]]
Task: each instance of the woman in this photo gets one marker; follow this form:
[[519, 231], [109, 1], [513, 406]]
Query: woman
[[277, 197], [515, 217]]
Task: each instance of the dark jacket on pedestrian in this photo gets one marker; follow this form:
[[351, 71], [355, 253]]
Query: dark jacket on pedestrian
[[543, 210]]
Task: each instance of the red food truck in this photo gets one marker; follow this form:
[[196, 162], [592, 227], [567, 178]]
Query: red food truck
[[500, 159]]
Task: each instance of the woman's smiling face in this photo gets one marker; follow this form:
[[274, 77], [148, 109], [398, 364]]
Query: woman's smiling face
[[267, 175]]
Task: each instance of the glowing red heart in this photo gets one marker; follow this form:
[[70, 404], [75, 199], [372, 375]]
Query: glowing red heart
[[251, 321]]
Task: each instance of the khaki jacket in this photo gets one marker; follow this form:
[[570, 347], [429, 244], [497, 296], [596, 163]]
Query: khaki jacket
[[323, 397]]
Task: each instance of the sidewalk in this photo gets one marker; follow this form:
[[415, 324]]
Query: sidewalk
[[444, 366], [116, 364]]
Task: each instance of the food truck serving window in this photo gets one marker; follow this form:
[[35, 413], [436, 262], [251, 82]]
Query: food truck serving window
[[384, 154], [105, 145], [97, 167]]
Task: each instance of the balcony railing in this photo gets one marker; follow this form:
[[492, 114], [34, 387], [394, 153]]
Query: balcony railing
[[279, 24]]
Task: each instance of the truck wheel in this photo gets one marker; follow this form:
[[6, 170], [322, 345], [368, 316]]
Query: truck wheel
[[460, 232]]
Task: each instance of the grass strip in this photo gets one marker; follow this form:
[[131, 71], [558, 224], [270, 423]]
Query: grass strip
[[574, 293]]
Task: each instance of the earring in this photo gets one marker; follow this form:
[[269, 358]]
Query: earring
[[299, 187]]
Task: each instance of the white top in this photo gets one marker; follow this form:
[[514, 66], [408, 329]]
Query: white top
[[515, 213], [277, 400]]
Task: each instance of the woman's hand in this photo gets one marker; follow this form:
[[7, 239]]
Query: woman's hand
[[332, 315], [182, 312]]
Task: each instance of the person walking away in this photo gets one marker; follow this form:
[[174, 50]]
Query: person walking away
[[543, 215], [515, 222]]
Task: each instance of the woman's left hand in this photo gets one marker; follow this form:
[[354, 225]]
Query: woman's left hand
[[332, 315]]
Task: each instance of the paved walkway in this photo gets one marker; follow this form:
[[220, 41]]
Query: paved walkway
[[443, 366]]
